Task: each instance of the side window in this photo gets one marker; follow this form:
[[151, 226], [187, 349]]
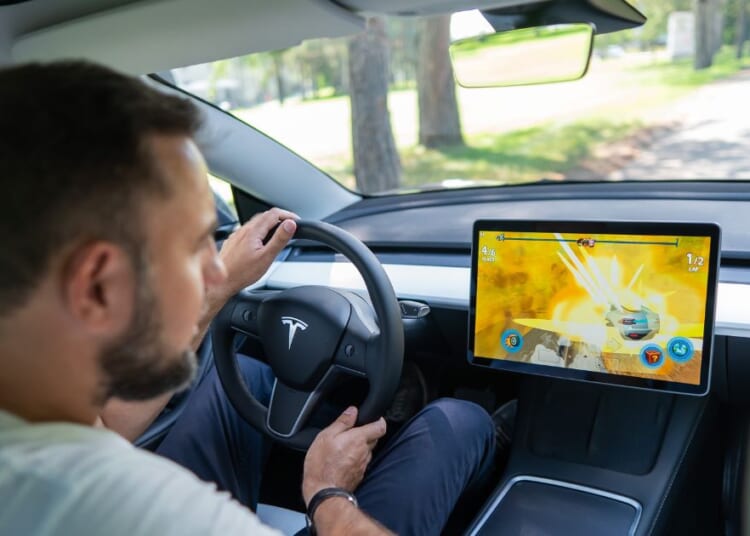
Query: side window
[[226, 213]]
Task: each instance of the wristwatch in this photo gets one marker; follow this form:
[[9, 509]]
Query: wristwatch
[[319, 497]]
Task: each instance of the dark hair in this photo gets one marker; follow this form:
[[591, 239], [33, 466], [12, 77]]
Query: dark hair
[[76, 163]]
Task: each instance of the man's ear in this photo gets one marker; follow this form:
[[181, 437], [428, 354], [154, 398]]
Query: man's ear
[[98, 287]]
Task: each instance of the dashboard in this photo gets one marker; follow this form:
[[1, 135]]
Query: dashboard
[[424, 243]]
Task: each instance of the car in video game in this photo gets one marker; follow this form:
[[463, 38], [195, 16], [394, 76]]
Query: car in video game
[[633, 324]]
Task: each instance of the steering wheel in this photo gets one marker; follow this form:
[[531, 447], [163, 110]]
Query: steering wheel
[[314, 336]]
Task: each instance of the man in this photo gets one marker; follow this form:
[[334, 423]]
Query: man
[[108, 275]]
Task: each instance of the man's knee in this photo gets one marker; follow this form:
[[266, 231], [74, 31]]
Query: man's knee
[[467, 420], [257, 376], [253, 369]]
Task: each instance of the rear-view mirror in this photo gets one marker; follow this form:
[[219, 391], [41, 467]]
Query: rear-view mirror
[[538, 55]]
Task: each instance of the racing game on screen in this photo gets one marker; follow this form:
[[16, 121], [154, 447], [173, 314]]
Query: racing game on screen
[[631, 305]]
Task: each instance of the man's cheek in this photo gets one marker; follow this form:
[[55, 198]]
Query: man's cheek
[[187, 306], [198, 291]]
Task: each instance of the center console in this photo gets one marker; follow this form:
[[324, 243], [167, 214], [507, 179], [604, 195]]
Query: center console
[[587, 457], [627, 310]]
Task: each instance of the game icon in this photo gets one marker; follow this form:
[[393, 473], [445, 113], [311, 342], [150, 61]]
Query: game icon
[[511, 340], [652, 356], [680, 349]]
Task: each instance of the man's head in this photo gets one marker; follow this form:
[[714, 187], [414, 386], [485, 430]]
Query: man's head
[[107, 223]]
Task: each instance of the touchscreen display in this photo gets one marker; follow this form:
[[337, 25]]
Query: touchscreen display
[[595, 304]]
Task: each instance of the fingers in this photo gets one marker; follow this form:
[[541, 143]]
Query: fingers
[[370, 433], [275, 227], [340, 454], [373, 431], [345, 421], [265, 221], [281, 237]]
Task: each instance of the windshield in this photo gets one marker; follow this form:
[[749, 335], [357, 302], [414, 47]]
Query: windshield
[[380, 111]]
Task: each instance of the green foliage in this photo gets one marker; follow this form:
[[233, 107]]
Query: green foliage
[[732, 14], [652, 33], [403, 41], [680, 73], [219, 69]]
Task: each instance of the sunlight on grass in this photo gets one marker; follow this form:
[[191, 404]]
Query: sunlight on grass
[[530, 154], [680, 73]]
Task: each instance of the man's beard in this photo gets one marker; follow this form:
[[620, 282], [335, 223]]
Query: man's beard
[[138, 365]]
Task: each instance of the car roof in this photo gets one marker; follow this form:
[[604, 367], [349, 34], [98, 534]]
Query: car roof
[[150, 36]]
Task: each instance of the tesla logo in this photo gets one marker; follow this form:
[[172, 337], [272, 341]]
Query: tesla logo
[[294, 324]]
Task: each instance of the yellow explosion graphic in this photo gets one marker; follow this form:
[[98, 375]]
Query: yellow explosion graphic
[[553, 287]]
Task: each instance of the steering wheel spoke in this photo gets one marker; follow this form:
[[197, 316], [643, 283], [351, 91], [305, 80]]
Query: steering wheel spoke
[[245, 312], [289, 409], [360, 338]]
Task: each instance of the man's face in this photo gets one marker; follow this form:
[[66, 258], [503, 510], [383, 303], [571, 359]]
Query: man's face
[[179, 263]]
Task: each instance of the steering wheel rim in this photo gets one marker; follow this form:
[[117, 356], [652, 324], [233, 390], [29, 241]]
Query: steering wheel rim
[[370, 345]]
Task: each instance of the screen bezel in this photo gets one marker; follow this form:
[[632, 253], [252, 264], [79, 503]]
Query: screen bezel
[[710, 230]]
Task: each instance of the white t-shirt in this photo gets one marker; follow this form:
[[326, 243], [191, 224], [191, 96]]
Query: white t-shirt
[[66, 479]]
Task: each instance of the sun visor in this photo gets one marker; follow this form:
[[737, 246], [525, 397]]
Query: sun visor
[[425, 7], [605, 15], [150, 37]]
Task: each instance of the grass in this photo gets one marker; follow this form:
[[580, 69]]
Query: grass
[[680, 73], [542, 151]]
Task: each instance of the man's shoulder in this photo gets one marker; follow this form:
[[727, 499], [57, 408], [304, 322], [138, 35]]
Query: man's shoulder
[[69, 456], [92, 481]]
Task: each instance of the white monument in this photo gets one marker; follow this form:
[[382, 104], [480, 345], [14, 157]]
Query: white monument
[[680, 35]]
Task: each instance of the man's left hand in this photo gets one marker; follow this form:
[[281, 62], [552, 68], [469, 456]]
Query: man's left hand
[[245, 255]]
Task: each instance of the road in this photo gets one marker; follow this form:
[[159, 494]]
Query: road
[[711, 139]]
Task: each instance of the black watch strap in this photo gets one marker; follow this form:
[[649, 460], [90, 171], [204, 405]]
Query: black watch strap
[[321, 496]]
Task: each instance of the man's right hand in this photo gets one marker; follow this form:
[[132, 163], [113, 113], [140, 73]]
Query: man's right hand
[[340, 454]]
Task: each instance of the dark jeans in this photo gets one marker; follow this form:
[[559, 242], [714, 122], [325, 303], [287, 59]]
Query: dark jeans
[[410, 487]]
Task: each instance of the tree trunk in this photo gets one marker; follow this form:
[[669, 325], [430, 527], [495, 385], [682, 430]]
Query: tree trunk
[[703, 25], [439, 123], [741, 27], [376, 162], [278, 68], [718, 9]]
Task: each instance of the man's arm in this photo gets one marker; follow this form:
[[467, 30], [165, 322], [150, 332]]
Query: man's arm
[[338, 458], [337, 516], [246, 258]]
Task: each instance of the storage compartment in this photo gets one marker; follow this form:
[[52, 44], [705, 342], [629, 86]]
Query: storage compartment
[[543, 507]]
